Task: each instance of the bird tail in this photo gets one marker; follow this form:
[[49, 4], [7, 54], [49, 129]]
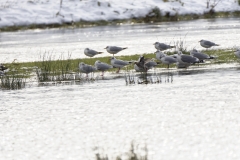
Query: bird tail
[[217, 45], [124, 48], [173, 46], [211, 57], [100, 52]]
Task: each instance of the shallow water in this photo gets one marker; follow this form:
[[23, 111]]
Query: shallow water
[[191, 114], [30, 45], [194, 116]]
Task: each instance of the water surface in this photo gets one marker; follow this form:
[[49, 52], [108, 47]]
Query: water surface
[[29, 45], [196, 116]]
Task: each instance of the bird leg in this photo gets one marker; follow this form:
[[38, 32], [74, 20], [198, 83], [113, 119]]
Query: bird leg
[[118, 70], [102, 73]]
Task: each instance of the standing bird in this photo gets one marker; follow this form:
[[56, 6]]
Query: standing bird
[[144, 64], [102, 66], [114, 49], [207, 44], [162, 46], [237, 53], [117, 63], [165, 59], [201, 56], [90, 52], [185, 61], [85, 68]]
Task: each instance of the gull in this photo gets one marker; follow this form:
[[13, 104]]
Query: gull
[[185, 61], [85, 68], [201, 56], [117, 63], [165, 59], [162, 46], [90, 52], [207, 44], [114, 49], [144, 64], [102, 66], [237, 53]]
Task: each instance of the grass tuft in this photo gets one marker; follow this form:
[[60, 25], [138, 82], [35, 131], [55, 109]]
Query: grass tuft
[[13, 81]]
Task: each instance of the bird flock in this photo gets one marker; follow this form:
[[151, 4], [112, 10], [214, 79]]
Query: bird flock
[[144, 64]]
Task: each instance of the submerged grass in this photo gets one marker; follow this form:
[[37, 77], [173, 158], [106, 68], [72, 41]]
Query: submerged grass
[[136, 152], [13, 81]]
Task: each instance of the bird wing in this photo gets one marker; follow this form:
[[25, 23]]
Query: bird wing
[[103, 66], [208, 43], [170, 59], [200, 55], [115, 48], [120, 62], [188, 58]]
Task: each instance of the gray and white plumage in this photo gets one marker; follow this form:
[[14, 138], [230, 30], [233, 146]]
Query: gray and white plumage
[[102, 66], [90, 52], [114, 49], [117, 63], [207, 44], [85, 68], [185, 60], [165, 59], [237, 53], [201, 56], [162, 46]]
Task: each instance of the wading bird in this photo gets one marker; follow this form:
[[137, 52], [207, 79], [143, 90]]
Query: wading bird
[[201, 56], [162, 46], [85, 68], [90, 52], [207, 44], [117, 63], [102, 66], [185, 61], [165, 59], [114, 49]]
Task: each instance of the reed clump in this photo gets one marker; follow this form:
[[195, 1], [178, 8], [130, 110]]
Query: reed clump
[[136, 152], [13, 81], [52, 69]]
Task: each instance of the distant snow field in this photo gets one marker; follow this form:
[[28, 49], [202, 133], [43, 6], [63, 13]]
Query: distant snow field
[[26, 12]]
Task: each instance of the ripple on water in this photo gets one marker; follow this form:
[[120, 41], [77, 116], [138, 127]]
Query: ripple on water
[[194, 117]]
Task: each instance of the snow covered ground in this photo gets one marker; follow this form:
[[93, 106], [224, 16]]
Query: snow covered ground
[[26, 12]]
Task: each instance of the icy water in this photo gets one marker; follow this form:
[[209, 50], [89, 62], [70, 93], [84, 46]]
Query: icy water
[[191, 114], [139, 38]]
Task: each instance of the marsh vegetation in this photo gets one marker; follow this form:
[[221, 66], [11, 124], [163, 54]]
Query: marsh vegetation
[[59, 69]]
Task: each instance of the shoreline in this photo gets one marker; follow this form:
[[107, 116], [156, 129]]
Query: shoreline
[[147, 19]]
